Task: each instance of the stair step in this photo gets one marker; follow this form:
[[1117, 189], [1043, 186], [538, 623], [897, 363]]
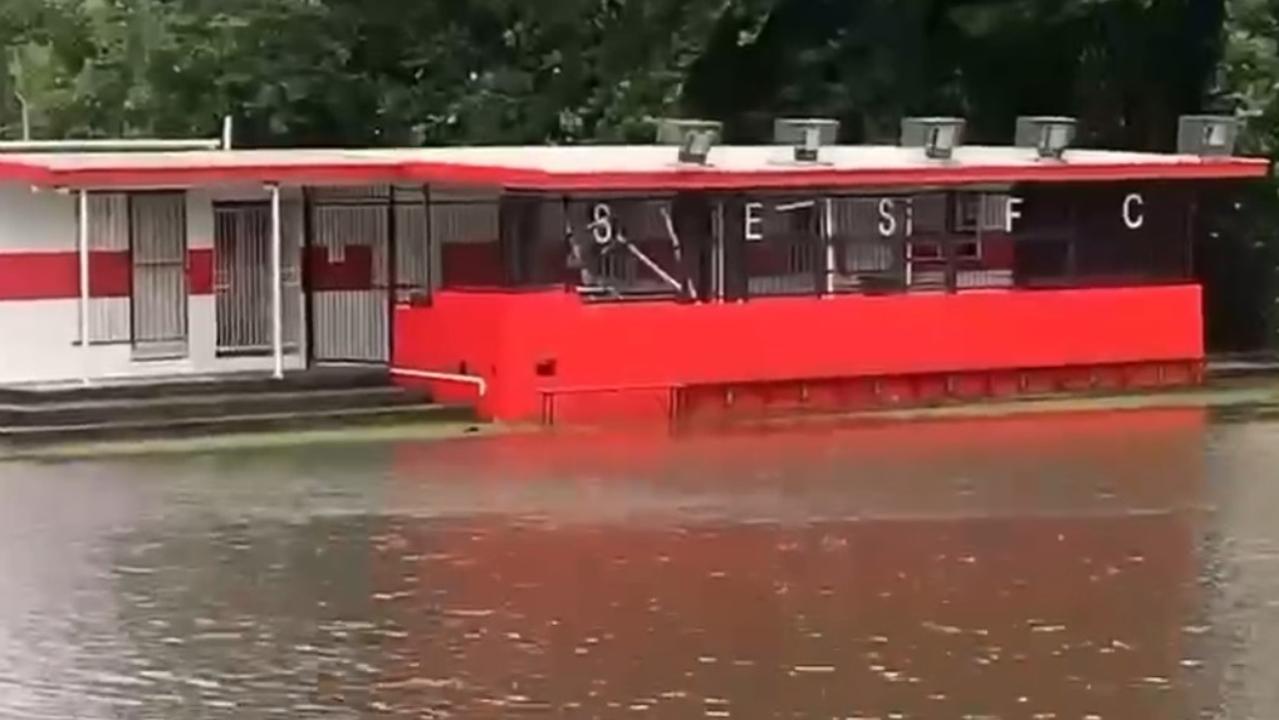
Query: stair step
[[335, 378], [223, 423], [170, 405], [1229, 370]]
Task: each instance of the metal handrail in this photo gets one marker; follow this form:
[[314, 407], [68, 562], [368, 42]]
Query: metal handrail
[[590, 389], [480, 383], [675, 394]]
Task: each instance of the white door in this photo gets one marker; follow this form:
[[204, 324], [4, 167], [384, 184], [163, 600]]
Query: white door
[[242, 279], [158, 243]]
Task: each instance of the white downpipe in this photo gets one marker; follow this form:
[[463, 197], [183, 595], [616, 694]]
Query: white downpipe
[[277, 295], [26, 115], [82, 249], [910, 265], [828, 236], [480, 383], [720, 272]]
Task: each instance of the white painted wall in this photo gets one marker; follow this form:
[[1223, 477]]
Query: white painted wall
[[38, 339], [41, 221], [40, 345]]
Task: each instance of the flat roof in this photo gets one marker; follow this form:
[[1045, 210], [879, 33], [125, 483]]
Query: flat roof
[[612, 167]]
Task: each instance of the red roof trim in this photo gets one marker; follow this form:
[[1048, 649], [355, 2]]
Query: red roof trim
[[674, 178], [1236, 168], [24, 172]]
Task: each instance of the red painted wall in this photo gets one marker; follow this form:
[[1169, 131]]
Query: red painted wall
[[997, 251], [354, 271], [38, 275], [56, 275], [504, 337], [471, 264], [200, 271], [460, 333]]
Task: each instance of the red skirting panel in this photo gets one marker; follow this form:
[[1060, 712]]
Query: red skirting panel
[[531, 346]]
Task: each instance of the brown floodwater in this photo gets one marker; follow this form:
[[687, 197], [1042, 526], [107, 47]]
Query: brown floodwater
[[1090, 566]]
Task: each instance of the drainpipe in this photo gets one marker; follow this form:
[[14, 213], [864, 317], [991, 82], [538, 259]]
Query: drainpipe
[[26, 115], [18, 77], [828, 239], [277, 300], [82, 237]]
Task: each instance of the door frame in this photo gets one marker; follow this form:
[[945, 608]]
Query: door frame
[[314, 203], [296, 329], [177, 348]]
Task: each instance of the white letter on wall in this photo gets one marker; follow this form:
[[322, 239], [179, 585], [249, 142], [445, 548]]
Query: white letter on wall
[[1014, 213], [887, 221], [754, 221], [602, 223], [1133, 219]]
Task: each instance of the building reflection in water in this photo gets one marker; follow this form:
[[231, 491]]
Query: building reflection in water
[[1033, 567], [1019, 567]]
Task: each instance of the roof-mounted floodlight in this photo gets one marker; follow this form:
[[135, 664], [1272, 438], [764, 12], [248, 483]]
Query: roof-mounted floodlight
[[696, 146], [695, 138], [1049, 135], [938, 136], [807, 135], [1207, 134]]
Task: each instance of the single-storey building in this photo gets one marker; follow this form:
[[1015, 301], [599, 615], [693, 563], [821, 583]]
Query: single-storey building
[[528, 278]]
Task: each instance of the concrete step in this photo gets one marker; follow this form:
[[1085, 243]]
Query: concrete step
[[321, 378], [222, 423], [165, 403], [1234, 369]]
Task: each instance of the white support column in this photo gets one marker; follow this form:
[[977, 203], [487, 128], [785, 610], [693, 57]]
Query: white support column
[[277, 298], [82, 250], [828, 239], [720, 254]]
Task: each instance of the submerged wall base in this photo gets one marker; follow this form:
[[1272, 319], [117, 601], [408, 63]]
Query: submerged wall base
[[548, 356]]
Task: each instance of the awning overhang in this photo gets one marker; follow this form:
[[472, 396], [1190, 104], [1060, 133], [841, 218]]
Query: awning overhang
[[621, 168]]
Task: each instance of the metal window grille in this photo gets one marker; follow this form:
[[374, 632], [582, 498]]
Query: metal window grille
[[110, 317]]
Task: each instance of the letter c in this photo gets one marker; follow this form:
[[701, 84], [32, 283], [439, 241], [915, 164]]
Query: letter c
[[1133, 217]]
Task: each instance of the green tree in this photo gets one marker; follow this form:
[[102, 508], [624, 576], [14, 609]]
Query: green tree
[[1241, 254], [353, 72]]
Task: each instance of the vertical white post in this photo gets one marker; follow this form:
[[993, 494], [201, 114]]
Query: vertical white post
[[82, 248], [828, 236], [26, 116], [720, 254], [277, 299]]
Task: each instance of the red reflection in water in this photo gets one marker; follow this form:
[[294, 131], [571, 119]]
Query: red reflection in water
[[1020, 567]]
